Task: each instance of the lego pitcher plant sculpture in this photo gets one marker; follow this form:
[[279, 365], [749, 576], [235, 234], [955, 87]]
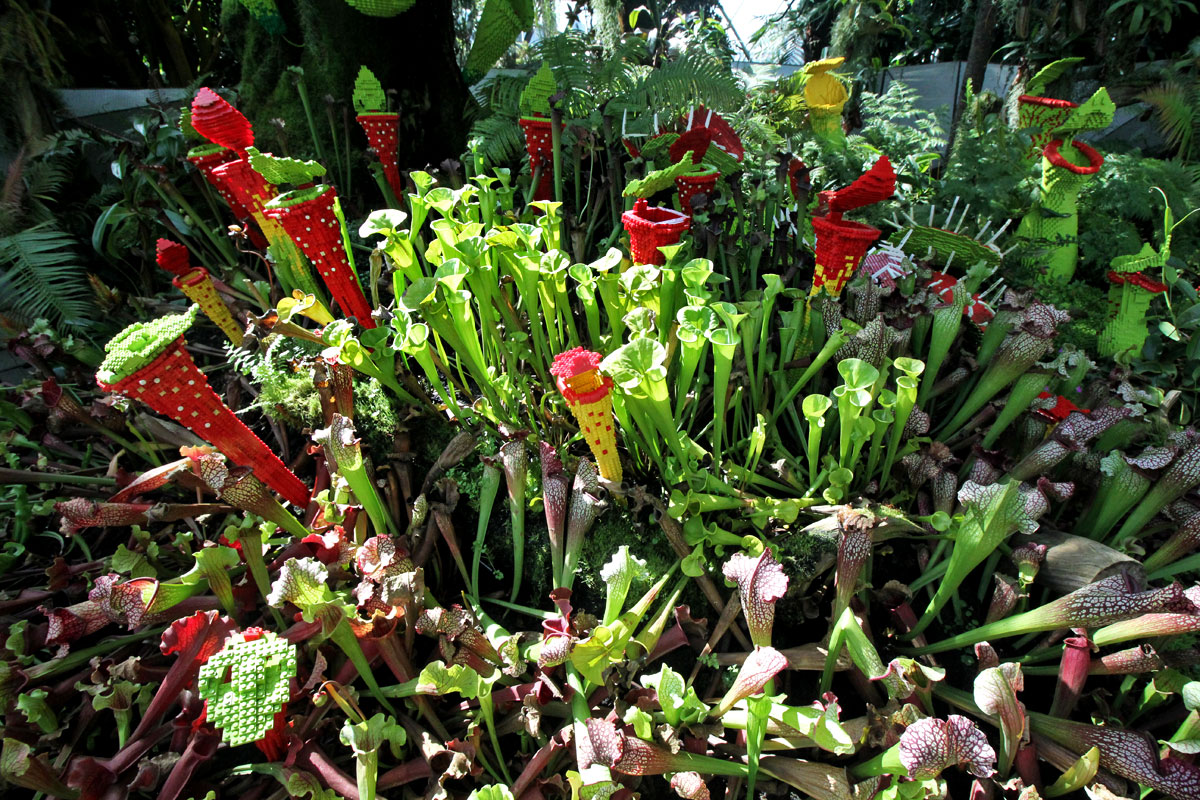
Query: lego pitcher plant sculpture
[[312, 216], [841, 244], [381, 127], [246, 191], [588, 395], [148, 361], [1052, 225]]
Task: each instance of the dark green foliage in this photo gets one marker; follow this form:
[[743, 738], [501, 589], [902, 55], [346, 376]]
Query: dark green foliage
[[330, 42], [288, 396], [646, 541], [40, 276], [41, 271], [987, 167], [1120, 210], [498, 139]]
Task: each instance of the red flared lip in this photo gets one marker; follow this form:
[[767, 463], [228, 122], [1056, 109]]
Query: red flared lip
[[584, 398], [1049, 102], [699, 179], [846, 228], [216, 120], [172, 257], [656, 216], [1138, 279], [594, 396], [575, 361], [696, 140], [322, 201], [1095, 160], [209, 160], [197, 276]]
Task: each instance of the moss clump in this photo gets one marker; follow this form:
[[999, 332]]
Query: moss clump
[[804, 555], [140, 343], [288, 395], [646, 541], [497, 561]]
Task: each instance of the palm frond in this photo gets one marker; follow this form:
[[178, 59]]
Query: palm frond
[[40, 277]]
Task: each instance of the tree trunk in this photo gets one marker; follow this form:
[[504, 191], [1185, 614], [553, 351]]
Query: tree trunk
[[977, 56], [981, 42], [411, 54]]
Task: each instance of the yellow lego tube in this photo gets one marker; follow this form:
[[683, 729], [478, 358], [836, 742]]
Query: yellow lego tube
[[199, 288], [588, 395]]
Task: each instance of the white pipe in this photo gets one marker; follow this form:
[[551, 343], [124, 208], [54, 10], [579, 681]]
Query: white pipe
[[963, 218], [1003, 228], [950, 216]]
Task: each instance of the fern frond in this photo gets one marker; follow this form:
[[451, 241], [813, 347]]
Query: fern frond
[[569, 55], [693, 79], [501, 139], [40, 276], [45, 178], [1176, 114]]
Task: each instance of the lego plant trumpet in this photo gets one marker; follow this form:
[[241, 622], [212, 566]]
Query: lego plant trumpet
[[149, 362], [312, 216], [196, 284]]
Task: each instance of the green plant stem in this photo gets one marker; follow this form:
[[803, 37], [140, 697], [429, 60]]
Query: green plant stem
[[252, 551], [831, 346], [487, 711], [886, 763], [517, 516], [312, 125], [344, 638], [21, 476], [489, 487], [79, 658]]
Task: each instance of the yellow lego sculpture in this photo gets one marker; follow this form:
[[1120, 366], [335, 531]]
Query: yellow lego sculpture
[[588, 395]]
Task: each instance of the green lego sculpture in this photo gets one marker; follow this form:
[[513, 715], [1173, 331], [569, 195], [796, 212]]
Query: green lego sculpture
[[1129, 299], [1052, 225]]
